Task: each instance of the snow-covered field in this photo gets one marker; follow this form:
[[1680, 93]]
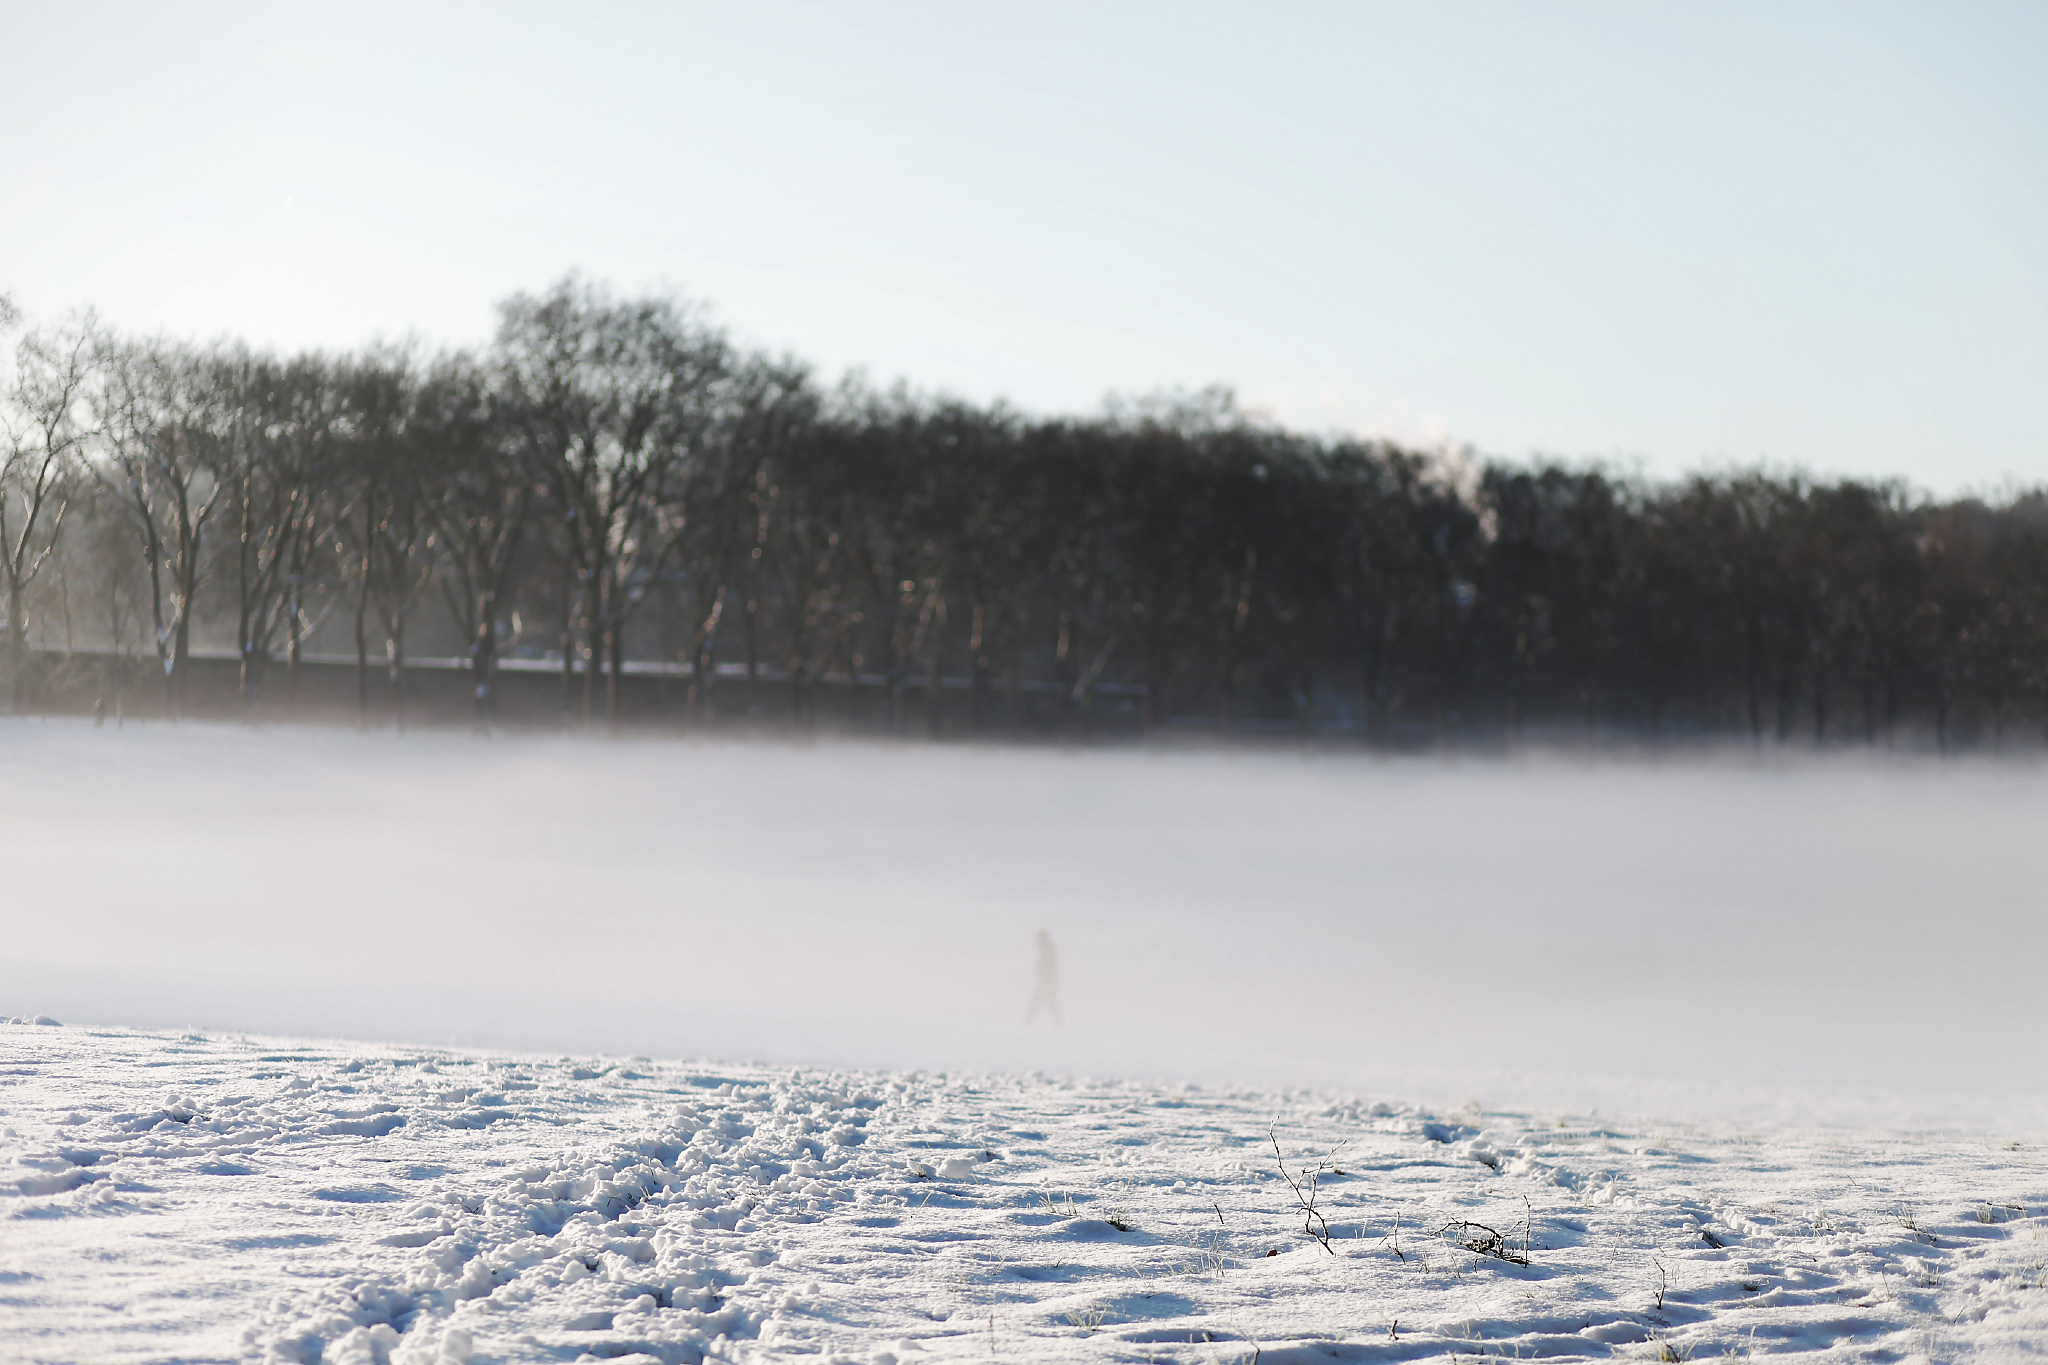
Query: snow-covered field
[[178, 1197], [1790, 1008]]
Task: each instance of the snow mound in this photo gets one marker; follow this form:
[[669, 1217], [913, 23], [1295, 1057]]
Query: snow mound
[[179, 1196]]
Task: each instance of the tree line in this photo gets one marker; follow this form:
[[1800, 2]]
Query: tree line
[[614, 483]]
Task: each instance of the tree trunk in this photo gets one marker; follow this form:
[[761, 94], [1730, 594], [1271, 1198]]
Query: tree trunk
[[1153, 692], [363, 651], [1752, 676], [1787, 689], [568, 638], [1515, 673], [154, 551], [17, 649], [394, 654], [245, 624], [181, 653], [1226, 685], [1066, 676], [291, 656], [483, 661], [977, 656], [615, 642], [363, 609], [1869, 690], [703, 670], [593, 647], [748, 624], [181, 642], [796, 671]]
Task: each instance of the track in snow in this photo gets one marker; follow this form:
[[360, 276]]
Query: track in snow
[[179, 1197]]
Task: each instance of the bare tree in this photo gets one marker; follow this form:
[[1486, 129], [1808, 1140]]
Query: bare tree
[[484, 494], [609, 396], [155, 411], [278, 453], [111, 575], [392, 532], [48, 422], [720, 507], [615, 461]]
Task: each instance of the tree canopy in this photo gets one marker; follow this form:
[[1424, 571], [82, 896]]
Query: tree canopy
[[615, 489]]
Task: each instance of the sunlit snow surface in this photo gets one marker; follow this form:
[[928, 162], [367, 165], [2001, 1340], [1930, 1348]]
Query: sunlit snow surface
[[171, 1197], [1822, 981]]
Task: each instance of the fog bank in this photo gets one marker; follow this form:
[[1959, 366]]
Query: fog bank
[[1861, 939]]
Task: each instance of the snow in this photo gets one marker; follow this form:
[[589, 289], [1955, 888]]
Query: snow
[[1789, 1007], [169, 1196]]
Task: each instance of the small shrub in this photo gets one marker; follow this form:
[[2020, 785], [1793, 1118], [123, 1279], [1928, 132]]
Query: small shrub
[[1663, 1349], [1480, 1238]]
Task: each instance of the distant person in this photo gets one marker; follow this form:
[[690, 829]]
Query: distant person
[[1045, 992], [99, 712]]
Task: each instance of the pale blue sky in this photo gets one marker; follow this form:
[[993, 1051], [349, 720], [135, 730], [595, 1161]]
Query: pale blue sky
[[1815, 234]]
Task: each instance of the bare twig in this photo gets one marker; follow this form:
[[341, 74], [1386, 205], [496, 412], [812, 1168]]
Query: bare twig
[[1480, 1238], [1305, 1187]]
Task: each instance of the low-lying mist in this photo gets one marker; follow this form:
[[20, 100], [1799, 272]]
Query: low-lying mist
[[1845, 937]]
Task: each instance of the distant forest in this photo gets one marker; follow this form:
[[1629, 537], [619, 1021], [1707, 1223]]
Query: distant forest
[[614, 514]]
